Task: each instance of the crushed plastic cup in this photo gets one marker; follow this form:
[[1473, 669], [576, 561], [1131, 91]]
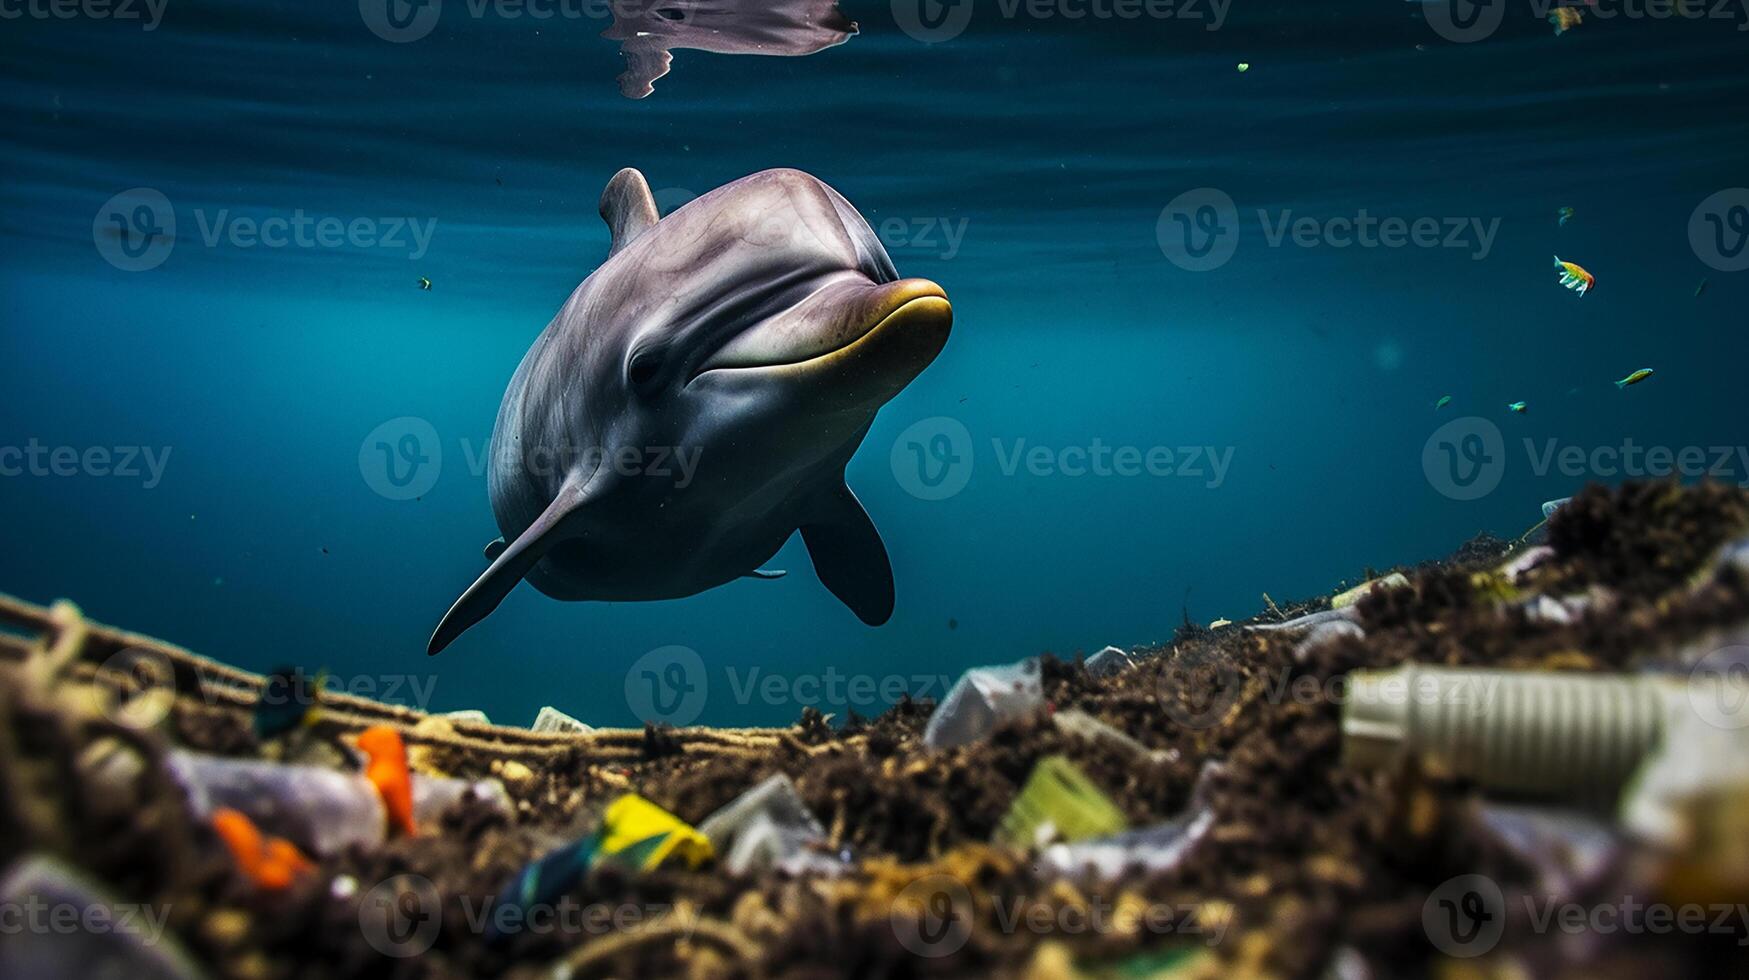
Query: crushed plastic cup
[[774, 802], [983, 699], [1109, 662], [1148, 850]]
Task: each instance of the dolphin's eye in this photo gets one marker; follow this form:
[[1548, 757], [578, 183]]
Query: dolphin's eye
[[643, 368]]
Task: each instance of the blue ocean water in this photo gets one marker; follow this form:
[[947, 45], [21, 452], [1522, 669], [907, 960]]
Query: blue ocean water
[[1036, 164]]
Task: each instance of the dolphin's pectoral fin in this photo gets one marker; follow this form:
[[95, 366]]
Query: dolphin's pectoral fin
[[769, 574], [849, 557], [495, 548], [628, 208], [515, 560]]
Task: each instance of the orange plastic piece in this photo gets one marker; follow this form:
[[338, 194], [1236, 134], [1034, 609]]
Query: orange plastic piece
[[272, 863], [388, 772]]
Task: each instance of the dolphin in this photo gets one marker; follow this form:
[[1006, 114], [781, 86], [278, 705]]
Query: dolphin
[[696, 400]]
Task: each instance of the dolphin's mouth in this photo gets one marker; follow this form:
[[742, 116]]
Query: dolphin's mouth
[[828, 323]]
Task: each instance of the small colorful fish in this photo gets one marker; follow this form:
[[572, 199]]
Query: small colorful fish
[[1574, 276], [424, 283], [1635, 378], [1517, 408], [1565, 19], [387, 771], [272, 863], [288, 701], [1566, 215], [1444, 400]]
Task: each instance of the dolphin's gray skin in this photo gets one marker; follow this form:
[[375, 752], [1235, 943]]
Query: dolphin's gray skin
[[648, 31], [754, 331]]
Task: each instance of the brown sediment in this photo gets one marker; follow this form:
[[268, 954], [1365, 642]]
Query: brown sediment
[[1305, 858]]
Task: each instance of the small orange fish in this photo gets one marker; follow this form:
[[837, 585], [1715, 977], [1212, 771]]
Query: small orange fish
[[1574, 277], [272, 863], [387, 771]]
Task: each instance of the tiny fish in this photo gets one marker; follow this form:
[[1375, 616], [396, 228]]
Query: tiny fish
[[1700, 289], [1565, 19], [424, 283], [387, 771], [1244, 66], [1574, 276], [1566, 215], [1517, 407], [1444, 400], [1635, 378], [287, 701]]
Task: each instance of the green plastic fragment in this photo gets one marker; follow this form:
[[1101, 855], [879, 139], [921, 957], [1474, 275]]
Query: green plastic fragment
[[1058, 802]]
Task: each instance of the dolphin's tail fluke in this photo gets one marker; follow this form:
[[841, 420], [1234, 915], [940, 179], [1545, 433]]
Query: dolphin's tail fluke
[[512, 563]]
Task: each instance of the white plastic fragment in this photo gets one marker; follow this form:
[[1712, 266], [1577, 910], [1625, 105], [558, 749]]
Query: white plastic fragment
[[105, 939], [1531, 558], [982, 699], [434, 795], [1324, 634], [1150, 850], [1108, 662], [1306, 622], [322, 811], [1549, 507], [555, 722]]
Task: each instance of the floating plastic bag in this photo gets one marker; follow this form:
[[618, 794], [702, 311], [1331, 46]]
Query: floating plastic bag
[[982, 699]]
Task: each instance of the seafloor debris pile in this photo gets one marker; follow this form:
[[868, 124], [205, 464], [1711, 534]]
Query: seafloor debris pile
[[1263, 798]]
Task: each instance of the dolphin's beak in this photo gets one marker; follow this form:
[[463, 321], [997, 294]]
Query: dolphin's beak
[[883, 333]]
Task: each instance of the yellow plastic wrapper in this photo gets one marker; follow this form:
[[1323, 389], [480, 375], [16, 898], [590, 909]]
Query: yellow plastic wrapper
[[637, 832], [1058, 802]]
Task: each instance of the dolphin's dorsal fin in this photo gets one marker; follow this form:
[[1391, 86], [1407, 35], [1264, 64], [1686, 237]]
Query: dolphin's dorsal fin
[[627, 207], [849, 557], [511, 563]]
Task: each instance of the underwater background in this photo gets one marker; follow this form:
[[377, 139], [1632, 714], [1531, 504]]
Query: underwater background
[[1036, 166]]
